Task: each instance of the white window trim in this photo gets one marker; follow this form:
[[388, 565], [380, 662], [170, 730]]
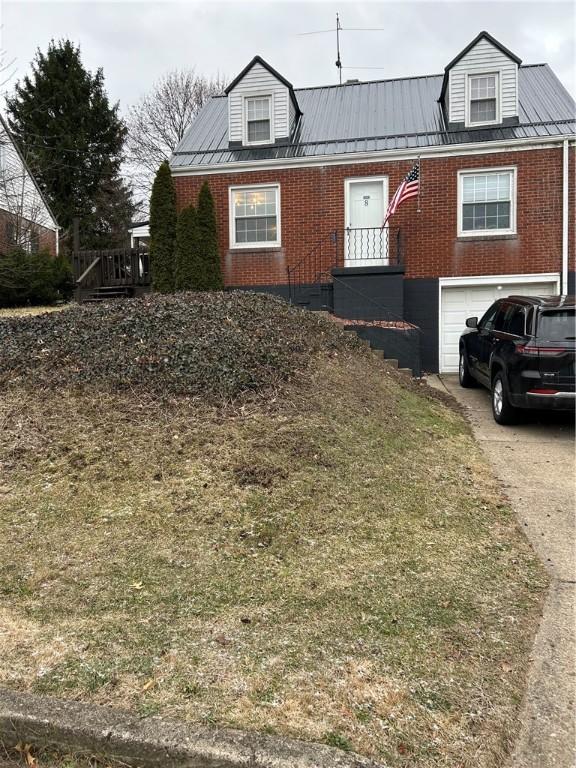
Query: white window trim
[[232, 221], [498, 120], [257, 95], [467, 233]]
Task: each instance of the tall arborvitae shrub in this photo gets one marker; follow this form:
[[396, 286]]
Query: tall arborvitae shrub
[[163, 230], [208, 241], [189, 270]]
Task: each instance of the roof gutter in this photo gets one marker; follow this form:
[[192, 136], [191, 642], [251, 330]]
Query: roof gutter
[[354, 158], [565, 182]]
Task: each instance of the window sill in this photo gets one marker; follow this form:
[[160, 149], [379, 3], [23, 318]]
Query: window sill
[[255, 247], [486, 236], [491, 124]]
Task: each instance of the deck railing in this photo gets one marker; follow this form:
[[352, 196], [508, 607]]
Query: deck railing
[[111, 267]]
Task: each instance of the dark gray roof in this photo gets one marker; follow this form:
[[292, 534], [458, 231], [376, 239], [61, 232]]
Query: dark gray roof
[[379, 115]]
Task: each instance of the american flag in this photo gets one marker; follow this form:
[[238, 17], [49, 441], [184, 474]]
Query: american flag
[[410, 187]]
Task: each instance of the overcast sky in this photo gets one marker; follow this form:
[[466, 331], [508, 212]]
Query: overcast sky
[[137, 42]]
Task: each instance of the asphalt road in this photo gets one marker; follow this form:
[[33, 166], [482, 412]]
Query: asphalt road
[[535, 460]]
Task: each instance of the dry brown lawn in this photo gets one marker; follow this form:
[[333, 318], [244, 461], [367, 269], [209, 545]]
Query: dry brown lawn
[[27, 311], [337, 564]]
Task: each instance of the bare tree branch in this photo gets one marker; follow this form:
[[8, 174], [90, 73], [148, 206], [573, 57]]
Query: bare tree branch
[[24, 210], [7, 66], [157, 123]]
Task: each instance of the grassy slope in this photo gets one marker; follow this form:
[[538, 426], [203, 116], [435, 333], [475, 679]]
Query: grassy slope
[[338, 565], [30, 311]]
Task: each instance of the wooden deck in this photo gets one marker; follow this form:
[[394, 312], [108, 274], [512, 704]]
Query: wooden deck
[[106, 274]]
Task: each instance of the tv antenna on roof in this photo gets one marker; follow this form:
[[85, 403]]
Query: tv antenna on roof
[[338, 61], [340, 28]]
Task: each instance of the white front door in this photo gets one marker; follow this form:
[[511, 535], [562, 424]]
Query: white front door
[[365, 243], [461, 302]]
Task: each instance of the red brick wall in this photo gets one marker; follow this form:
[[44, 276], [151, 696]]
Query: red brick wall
[[312, 205], [48, 240], [47, 236]]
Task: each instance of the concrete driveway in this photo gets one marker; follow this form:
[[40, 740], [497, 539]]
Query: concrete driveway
[[535, 461]]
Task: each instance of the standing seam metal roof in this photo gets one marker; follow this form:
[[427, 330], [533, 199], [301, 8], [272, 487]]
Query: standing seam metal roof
[[379, 115]]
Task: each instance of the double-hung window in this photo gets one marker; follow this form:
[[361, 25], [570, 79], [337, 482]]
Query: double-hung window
[[487, 202], [258, 111], [255, 216], [483, 104]]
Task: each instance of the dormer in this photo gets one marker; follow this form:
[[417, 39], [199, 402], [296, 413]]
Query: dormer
[[262, 106], [480, 86]]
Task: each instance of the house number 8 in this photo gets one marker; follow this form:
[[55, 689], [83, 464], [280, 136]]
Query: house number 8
[[366, 198]]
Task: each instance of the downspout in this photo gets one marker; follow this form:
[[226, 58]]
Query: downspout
[[57, 242], [565, 216]]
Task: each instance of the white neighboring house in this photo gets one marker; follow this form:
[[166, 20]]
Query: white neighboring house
[[26, 220], [139, 234]]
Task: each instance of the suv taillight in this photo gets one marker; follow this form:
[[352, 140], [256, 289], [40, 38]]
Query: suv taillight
[[524, 349]]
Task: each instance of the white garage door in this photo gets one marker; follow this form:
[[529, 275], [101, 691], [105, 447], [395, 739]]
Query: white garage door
[[460, 302]]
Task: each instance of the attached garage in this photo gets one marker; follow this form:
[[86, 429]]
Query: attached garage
[[468, 297]]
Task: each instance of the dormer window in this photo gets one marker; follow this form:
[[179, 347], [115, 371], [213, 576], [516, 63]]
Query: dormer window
[[483, 106], [480, 86], [262, 106], [258, 111]]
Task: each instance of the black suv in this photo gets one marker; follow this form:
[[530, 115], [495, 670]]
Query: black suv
[[523, 351]]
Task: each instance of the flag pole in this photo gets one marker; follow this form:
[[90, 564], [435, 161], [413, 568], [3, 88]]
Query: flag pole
[[419, 183]]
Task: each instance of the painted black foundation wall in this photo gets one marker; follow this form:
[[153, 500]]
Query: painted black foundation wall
[[315, 297], [369, 293], [572, 283], [421, 309], [402, 345], [413, 300]]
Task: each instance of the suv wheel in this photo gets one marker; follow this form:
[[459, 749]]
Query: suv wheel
[[503, 412], [464, 375]]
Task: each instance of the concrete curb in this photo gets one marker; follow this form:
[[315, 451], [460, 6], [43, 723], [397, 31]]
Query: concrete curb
[[153, 742]]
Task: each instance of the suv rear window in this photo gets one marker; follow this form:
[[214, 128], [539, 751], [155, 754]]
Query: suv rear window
[[556, 325]]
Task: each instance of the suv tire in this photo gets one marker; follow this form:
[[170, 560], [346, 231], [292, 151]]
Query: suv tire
[[464, 376], [503, 412]]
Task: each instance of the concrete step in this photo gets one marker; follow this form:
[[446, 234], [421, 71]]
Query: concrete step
[[392, 362]]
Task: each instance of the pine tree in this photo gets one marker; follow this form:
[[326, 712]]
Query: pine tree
[[71, 135], [208, 254], [189, 275], [163, 230], [112, 210]]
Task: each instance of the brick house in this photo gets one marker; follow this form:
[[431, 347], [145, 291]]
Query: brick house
[[26, 220], [302, 178]]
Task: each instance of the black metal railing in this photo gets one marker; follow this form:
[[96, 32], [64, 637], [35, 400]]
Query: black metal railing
[[312, 271], [349, 247], [370, 245]]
